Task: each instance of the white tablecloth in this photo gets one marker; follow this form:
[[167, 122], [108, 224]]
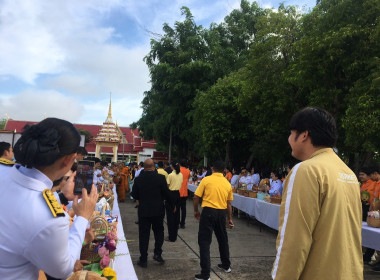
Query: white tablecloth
[[264, 212], [123, 262], [370, 237]]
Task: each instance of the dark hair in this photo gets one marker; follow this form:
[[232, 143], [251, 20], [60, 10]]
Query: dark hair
[[366, 170], [160, 164], [276, 173], [374, 168], [183, 162], [82, 151], [218, 166], [141, 164], [44, 143], [237, 170], [319, 123], [96, 160], [176, 166], [4, 146]]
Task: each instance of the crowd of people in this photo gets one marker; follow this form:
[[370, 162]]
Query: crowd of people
[[320, 215]]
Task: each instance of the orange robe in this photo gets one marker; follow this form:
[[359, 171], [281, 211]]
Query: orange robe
[[120, 186], [124, 178]]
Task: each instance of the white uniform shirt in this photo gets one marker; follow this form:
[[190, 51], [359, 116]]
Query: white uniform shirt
[[234, 181], [276, 187], [138, 172], [255, 179], [96, 178], [30, 237], [247, 181]]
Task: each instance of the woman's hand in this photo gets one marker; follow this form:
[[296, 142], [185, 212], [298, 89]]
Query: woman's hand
[[86, 207]]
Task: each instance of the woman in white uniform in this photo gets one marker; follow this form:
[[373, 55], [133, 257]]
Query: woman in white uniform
[[35, 231]]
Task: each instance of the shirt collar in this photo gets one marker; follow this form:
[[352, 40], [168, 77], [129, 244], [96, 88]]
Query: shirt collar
[[31, 178], [323, 150], [218, 174]]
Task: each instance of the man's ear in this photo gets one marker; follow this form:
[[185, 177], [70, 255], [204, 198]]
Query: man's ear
[[304, 135]]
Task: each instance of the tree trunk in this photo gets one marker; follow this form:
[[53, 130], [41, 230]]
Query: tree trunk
[[227, 160], [170, 146], [250, 159]]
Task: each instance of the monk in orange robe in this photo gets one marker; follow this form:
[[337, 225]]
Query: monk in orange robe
[[118, 180], [124, 178]]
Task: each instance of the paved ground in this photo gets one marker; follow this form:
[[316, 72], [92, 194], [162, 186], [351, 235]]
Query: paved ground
[[252, 250]]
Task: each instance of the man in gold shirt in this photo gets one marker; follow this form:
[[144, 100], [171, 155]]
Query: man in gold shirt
[[216, 192], [161, 170], [319, 235]]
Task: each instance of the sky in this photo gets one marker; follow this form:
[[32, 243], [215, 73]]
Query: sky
[[63, 58]]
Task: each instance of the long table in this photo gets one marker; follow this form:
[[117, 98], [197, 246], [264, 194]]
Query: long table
[[123, 263], [268, 214], [264, 212]]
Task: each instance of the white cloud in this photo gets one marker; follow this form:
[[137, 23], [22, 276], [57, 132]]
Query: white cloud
[[124, 111], [34, 106]]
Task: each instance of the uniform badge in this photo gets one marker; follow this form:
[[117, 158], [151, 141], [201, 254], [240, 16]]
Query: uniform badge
[[53, 204]]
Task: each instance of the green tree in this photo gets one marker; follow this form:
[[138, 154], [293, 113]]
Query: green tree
[[336, 69], [178, 70], [268, 99], [218, 119], [87, 135]]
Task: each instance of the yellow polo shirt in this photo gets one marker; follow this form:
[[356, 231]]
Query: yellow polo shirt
[[162, 172], [174, 181], [215, 191]]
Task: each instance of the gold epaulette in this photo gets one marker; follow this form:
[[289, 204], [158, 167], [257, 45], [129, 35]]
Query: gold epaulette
[[6, 162], [53, 204]]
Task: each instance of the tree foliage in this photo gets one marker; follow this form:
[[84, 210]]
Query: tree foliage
[[231, 89]]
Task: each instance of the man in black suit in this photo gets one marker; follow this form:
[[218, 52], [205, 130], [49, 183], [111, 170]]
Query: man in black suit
[[150, 189]]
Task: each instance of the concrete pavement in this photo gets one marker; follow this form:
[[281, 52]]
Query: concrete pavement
[[252, 250]]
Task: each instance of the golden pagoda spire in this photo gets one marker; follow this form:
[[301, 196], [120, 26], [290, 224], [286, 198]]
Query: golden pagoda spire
[[109, 117]]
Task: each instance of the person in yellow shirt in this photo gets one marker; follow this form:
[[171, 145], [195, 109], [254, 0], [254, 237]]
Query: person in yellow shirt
[[320, 221], [161, 170], [216, 194], [174, 181]]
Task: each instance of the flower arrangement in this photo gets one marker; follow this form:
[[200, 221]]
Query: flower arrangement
[[105, 248]]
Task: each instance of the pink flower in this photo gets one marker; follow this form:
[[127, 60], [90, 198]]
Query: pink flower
[[112, 235], [104, 262], [103, 252], [111, 245]]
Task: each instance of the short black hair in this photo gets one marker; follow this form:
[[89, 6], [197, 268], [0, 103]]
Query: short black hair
[[183, 162], [4, 146], [218, 166], [141, 163], [319, 123], [374, 168], [160, 164], [276, 173], [366, 170]]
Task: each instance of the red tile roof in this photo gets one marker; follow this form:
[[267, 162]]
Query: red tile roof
[[134, 142]]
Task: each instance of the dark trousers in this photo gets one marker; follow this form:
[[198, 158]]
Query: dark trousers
[[157, 224], [172, 217], [182, 208], [213, 220]]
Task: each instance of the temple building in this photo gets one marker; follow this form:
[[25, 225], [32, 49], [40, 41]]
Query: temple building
[[109, 141]]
